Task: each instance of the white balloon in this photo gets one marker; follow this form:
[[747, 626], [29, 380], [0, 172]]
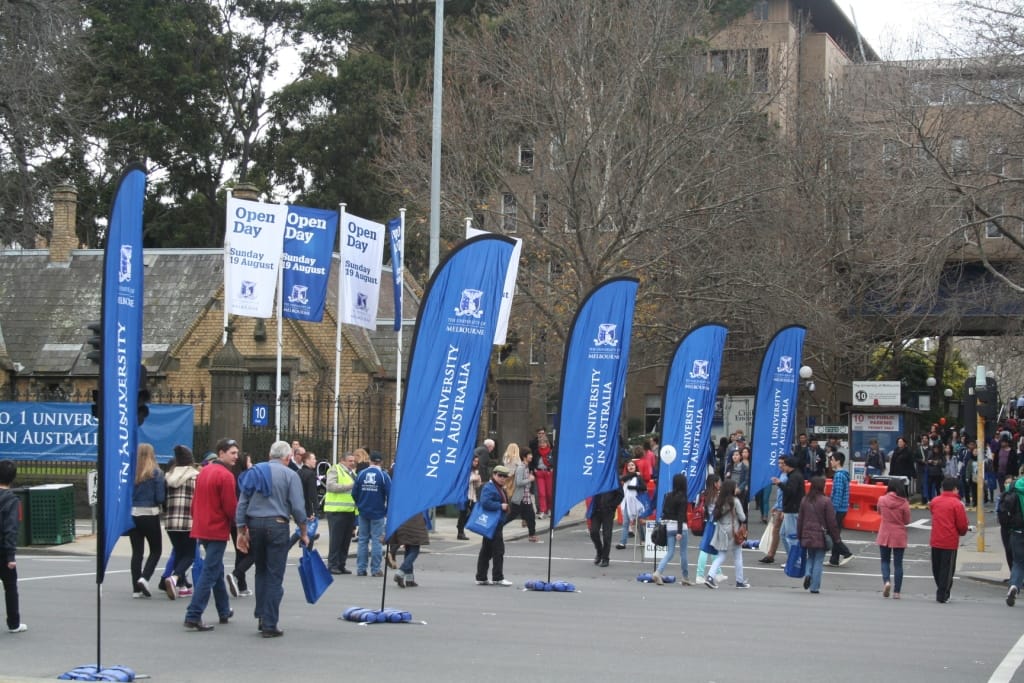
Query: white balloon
[[668, 454]]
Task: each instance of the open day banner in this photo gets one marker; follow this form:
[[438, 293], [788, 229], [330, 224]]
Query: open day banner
[[68, 431]]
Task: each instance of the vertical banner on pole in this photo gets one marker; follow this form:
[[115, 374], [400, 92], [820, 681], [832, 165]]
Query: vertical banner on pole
[[362, 249], [308, 240], [510, 285], [121, 358], [775, 405], [448, 370], [689, 405], [593, 386], [254, 240]]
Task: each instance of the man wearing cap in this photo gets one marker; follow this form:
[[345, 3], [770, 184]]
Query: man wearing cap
[[492, 550], [371, 491], [213, 508], [271, 493]]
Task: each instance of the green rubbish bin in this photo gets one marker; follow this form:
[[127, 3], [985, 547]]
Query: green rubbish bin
[[22, 494], [51, 514]]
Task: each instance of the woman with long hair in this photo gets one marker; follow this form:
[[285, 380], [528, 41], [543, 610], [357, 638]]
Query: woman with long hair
[[148, 495], [472, 496], [673, 516], [520, 503], [632, 486], [544, 473], [741, 475], [894, 509], [816, 520], [181, 487], [729, 519]]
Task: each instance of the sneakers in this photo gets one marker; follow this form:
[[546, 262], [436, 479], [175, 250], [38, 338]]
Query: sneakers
[[485, 582], [21, 628], [409, 583], [378, 574], [657, 578], [1011, 596], [709, 581], [232, 584], [620, 546], [184, 592], [742, 584], [886, 589], [400, 580], [142, 586], [225, 618], [533, 539], [247, 593], [807, 582], [832, 564], [137, 594], [503, 582], [843, 561], [462, 537], [685, 582], [170, 587], [767, 559]]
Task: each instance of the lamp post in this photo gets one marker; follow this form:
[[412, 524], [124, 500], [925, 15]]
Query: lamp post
[[980, 380], [806, 373]]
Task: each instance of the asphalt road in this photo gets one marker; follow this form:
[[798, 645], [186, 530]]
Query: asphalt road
[[612, 628]]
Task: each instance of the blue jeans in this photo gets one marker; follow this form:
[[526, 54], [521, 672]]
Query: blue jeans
[[411, 553], [369, 530], [268, 546], [813, 568], [737, 552], [897, 558], [788, 528], [1017, 568], [626, 521], [211, 580], [683, 562]]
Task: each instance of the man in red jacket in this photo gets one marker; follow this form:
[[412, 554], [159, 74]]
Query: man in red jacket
[[949, 523], [213, 508]]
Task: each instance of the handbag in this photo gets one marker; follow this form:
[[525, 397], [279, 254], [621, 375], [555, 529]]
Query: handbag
[[659, 536], [795, 559], [766, 538], [709, 535], [527, 498], [739, 535], [643, 505], [483, 522], [314, 575], [695, 518]]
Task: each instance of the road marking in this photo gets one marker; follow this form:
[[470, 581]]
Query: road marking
[[1011, 662], [22, 579]]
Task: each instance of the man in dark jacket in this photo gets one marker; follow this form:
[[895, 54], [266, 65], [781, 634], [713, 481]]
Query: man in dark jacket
[[792, 491], [602, 519], [492, 550], [307, 477], [8, 545]]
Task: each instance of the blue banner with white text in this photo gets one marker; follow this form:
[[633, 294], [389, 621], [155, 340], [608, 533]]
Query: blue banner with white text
[[448, 372], [775, 405], [396, 237], [687, 410], [122, 354], [309, 236], [593, 386], [68, 431]]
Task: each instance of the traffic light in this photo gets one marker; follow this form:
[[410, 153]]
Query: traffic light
[[144, 395], [96, 356], [988, 399]]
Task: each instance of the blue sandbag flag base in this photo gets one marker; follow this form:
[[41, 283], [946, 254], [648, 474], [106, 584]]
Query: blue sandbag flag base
[[376, 616], [647, 577], [554, 586], [90, 672]]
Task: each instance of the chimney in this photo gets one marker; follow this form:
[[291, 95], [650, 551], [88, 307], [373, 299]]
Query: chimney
[[65, 218], [246, 191]]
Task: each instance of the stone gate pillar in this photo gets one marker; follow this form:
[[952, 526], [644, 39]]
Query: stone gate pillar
[[513, 381]]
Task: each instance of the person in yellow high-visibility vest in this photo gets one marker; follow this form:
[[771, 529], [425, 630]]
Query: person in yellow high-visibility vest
[[340, 507]]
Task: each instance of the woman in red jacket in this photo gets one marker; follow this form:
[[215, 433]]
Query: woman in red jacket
[[892, 534]]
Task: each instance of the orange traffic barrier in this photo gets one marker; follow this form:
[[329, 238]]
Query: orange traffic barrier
[[863, 511]]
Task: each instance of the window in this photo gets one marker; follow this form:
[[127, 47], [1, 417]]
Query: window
[[964, 218], [652, 412], [719, 62], [508, 212], [526, 157], [996, 162], [260, 396], [537, 343], [959, 154], [760, 10], [856, 164], [890, 158], [855, 221], [759, 77], [478, 218], [992, 230], [541, 211], [556, 152]]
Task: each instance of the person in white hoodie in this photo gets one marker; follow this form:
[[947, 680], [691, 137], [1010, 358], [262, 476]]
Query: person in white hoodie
[[181, 486]]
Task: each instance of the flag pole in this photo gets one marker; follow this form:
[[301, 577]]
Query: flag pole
[[227, 278], [337, 339], [398, 329], [280, 346]]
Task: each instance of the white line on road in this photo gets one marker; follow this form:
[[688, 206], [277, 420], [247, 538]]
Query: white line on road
[[1011, 662], [22, 579]]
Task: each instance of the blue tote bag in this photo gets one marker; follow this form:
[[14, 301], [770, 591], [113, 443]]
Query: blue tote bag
[[795, 559], [483, 522], [709, 535], [314, 575]]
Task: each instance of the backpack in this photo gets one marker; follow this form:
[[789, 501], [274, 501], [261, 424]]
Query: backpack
[[1009, 512], [695, 516]]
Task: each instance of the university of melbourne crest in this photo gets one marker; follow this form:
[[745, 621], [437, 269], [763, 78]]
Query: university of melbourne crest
[[606, 335], [469, 304], [124, 267], [785, 365], [248, 290], [361, 302], [700, 370], [299, 295]]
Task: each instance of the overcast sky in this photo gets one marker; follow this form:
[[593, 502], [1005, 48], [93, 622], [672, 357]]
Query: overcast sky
[[895, 28]]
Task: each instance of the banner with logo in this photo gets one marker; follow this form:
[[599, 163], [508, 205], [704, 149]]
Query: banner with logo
[[253, 243], [775, 405], [121, 315], [510, 285], [690, 389], [448, 371], [593, 386], [308, 242], [396, 237], [362, 250]]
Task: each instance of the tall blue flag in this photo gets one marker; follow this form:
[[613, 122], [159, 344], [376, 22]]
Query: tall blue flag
[[593, 385], [775, 405], [308, 241], [121, 317], [448, 371], [689, 405], [396, 236]]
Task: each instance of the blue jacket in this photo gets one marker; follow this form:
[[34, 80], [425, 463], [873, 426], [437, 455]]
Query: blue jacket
[[371, 492], [150, 493], [491, 498]]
